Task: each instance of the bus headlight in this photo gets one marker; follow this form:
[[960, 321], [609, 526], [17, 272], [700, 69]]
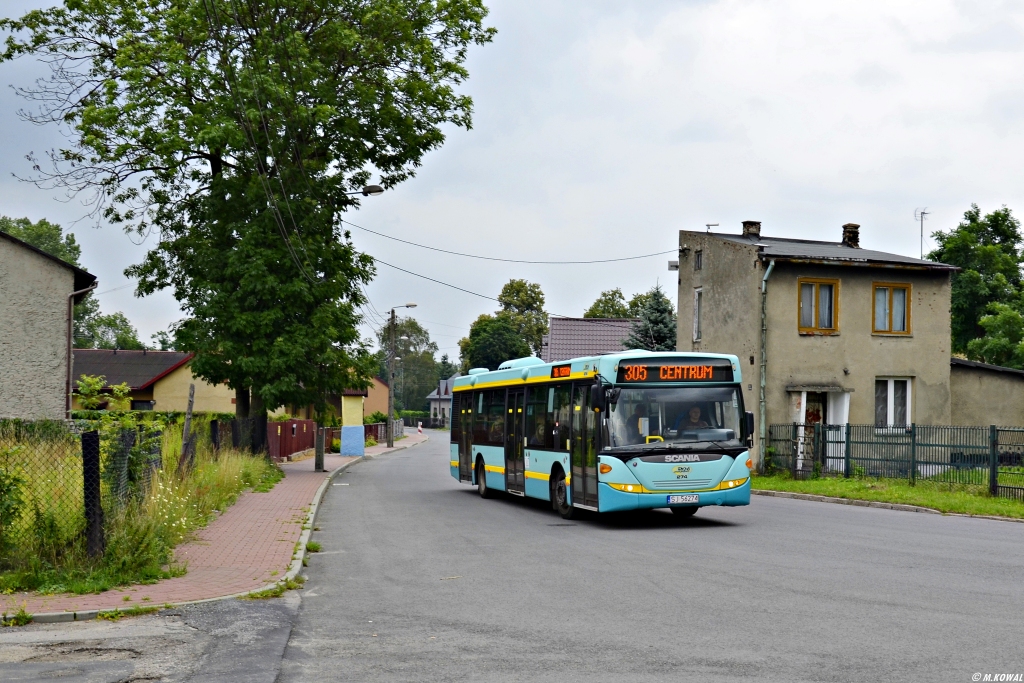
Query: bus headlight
[[732, 483], [627, 488]]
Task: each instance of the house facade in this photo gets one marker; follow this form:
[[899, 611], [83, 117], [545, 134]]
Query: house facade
[[159, 380], [440, 401], [36, 294], [825, 331]]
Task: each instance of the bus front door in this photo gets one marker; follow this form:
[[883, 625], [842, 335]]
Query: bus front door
[[462, 426], [515, 478], [584, 449]]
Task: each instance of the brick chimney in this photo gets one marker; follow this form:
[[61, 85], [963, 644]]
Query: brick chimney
[[851, 235], [752, 229]]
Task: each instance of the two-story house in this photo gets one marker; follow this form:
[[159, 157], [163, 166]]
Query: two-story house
[[826, 331]]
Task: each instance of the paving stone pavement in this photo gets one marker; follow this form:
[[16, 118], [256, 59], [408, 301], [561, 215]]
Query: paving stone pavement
[[248, 546]]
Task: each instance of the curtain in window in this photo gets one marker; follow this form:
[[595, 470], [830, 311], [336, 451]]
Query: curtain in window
[[807, 305], [899, 310], [881, 309], [899, 401], [825, 307], [881, 402]]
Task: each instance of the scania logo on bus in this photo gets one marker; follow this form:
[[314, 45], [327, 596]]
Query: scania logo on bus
[[682, 457]]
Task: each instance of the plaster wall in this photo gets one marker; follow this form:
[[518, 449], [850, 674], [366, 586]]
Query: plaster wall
[[730, 282], [986, 397], [33, 333], [351, 410], [377, 398], [853, 357], [171, 393]]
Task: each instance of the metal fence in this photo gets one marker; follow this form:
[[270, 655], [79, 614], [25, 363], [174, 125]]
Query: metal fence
[[986, 457]]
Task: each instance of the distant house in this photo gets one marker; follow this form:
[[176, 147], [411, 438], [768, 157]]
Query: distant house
[[577, 337], [440, 401], [36, 294], [159, 380], [376, 398]]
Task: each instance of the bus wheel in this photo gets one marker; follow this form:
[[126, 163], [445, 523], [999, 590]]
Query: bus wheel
[[481, 481], [684, 512], [562, 499]]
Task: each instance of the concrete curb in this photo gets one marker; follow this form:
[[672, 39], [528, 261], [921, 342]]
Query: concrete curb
[[293, 569], [875, 504]]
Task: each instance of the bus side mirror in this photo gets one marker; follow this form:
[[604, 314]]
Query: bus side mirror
[[597, 398], [750, 428]]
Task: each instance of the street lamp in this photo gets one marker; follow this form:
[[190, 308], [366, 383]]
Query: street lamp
[[369, 191], [391, 373]]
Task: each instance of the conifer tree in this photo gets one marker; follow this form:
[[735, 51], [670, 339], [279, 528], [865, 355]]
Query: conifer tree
[[656, 327]]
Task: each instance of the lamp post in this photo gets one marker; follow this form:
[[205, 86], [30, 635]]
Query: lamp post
[[391, 374]]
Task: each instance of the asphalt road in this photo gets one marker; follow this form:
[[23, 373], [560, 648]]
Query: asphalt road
[[421, 580]]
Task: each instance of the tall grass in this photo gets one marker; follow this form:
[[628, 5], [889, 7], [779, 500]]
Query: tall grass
[[45, 548]]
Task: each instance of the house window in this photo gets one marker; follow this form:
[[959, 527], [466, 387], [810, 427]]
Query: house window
[[892, 308], [892, 402], [819, 306], [698, 304], [698, 260]]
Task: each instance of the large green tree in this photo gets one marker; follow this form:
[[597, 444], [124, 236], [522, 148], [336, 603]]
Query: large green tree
[[987, 249], [492, 340], [655, 329], [522, 305], [610, 304], [416, 371], [113, 331], [237, 130]]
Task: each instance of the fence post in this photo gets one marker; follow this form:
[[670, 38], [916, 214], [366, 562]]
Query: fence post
[[319, 456], [846, 452], [993, 460], [215, 434], [95, 542], [913, 453]]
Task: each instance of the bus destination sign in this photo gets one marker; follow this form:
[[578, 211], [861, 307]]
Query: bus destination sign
[[661, 370], [559, 371]]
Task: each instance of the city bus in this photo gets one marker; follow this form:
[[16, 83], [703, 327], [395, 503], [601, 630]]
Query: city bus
[[621, 431]]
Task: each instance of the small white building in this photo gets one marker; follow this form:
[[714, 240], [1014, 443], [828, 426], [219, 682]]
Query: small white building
[[440, 401]]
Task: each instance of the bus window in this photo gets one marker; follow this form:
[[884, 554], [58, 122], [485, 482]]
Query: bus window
[[456, 422], [479, 419], [559, 414], [538, 428], [494, 407]]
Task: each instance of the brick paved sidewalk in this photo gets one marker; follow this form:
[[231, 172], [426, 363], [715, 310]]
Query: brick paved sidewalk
[[248, 546]]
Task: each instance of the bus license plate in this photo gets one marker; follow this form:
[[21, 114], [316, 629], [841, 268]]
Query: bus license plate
[[688, 498]]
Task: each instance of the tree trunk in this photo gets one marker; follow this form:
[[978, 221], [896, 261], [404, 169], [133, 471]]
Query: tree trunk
[[241, 403], [256, 407]]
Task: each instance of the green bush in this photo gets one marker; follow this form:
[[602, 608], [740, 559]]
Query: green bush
[[370, 441], [376, 417], [414, 414]]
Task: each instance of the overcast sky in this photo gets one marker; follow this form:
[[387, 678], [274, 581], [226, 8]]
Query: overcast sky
[[603, 128]]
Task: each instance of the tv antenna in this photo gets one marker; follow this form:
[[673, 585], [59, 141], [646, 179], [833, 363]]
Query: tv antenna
[[710, 225], [919, 215]]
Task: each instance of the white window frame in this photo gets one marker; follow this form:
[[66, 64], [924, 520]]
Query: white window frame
[[891, 407], [698, 303]]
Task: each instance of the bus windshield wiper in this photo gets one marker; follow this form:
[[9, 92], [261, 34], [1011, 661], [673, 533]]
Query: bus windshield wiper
[[676, 446]]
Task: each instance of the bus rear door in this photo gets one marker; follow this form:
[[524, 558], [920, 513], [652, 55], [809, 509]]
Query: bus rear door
[[515, 477], [462, 428]]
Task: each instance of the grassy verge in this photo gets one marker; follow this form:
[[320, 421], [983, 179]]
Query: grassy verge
[[968, 500], [46, 549]]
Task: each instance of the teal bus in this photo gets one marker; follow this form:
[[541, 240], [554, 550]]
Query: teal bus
[[621, 431]]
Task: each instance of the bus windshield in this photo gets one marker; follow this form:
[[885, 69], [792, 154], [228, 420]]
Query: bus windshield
[[675, 415]]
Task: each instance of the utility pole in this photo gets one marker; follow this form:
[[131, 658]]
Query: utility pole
[[391, 380], [919, 215]]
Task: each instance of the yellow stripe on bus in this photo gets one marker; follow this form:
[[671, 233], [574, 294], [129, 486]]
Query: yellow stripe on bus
[[589, 374], [454, 463], [494, 468], [537, 475]]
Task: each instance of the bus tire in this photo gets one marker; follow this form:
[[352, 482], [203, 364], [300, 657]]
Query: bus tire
[[481, 480], [684, 512], [562, 503]]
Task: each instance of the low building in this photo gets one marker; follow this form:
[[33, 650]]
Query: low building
[[36, 294], [376, 398], [159, 380], [578, 337], [983, 394]]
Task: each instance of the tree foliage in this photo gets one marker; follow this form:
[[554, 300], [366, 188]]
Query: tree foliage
[[987, 249], [416, 371], [237, 131], [655, 329], [492, 340], [610, 304], [522, 305], [1003, 342]]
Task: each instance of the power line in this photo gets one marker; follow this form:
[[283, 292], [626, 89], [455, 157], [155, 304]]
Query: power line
[[507, 260]]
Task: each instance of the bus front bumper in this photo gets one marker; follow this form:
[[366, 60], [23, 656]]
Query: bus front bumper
[[611, 500]]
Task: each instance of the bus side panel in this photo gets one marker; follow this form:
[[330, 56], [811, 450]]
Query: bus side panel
[[494, 464], [538, 471], [453, 452]]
